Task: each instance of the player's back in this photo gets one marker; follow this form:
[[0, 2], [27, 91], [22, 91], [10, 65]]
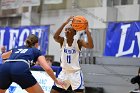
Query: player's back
[[25, 53]]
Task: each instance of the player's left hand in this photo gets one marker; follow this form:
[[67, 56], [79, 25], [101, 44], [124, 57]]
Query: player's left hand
[[61, 83], [69, 19]]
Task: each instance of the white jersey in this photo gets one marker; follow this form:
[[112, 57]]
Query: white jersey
[[70, 56]]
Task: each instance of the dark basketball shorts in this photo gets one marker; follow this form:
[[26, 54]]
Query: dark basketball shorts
[[18, 72]]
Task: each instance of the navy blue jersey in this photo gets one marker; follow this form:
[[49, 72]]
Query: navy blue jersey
[[25, 53]]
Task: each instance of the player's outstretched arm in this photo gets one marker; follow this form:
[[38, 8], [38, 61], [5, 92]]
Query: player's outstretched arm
[[43, 63]]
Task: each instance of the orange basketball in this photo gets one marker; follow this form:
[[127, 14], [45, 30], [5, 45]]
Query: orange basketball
[[79, 23]]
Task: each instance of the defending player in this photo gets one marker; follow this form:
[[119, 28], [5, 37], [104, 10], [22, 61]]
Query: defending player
[[17, 67]]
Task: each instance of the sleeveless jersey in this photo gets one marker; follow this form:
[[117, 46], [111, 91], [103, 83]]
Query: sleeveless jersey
[[70, 56], [25, 53]]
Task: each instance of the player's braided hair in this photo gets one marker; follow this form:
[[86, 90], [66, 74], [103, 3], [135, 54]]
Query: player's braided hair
[[31, 40]]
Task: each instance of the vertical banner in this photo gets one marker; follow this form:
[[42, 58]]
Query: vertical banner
[[13, 37], [123, 39]]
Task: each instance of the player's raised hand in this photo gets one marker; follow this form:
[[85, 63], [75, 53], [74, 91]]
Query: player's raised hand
[[69, 19]]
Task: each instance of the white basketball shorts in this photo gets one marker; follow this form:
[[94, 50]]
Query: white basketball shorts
[[75, 79]]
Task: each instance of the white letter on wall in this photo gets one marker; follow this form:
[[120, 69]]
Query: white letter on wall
[[122, 41], [21, 38], [2, 37], [13, 37]]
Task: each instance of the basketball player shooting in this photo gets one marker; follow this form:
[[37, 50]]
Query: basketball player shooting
[[71, 73]]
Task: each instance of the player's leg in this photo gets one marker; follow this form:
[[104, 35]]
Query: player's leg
[[27, 82], [24, 78], [35, 89], [5, 80], [56, 89]]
